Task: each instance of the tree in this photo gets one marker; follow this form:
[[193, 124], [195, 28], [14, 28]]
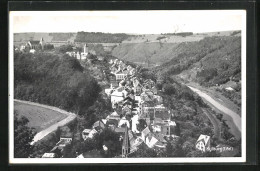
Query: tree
[[23, 136], [143, 151], [106, 137], [168, 89], [142, 124], [48, 47], [65, 48]]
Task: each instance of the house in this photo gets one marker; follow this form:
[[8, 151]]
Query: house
[[35, 44], [132, 71], [113, 115], [145, 133], [120, 75], [135, 144], [104, 121], [64, 142], [160, 107], [113, 85], [22, 48], [108, 91], [203, 143], [78, 56], [98, 125], [122, 83], [125, 92], [91, 154], [147, 112], [100, 58], [159, 144], [124, 121], [138, 99], [117, 96], [154, 90], [112, 123], [49, 155], [160, 137], [161, 127], [88, 133], [32, 51], [150, 141], [158, 99], [129, 67], [126, 110], [229, 89], [137, 89]]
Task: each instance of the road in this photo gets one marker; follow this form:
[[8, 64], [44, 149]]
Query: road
[[40, 135], [235, 117], [214, 122]]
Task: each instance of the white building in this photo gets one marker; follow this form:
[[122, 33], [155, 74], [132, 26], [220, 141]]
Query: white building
[[117, 96], [203, 143], [88, 133], [49, 155], [150, 141]]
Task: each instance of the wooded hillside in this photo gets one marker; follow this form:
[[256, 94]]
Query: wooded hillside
[[54, 80]]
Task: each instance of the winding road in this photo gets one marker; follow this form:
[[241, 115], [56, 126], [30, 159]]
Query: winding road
[[235, 117], [40, 135]]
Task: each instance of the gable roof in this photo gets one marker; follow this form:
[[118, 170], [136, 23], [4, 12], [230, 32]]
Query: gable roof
[[34, 42], [204, 138], [146, 131], [98, 123], [151, 141]]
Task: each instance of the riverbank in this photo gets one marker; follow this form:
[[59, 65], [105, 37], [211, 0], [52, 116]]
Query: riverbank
[[232, 119]]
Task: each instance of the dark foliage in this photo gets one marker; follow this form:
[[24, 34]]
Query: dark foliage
[[65, 48], [98, 37], [48, 47], [54, 80], [23, 136]]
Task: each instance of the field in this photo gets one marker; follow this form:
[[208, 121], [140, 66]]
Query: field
[[39, 117]]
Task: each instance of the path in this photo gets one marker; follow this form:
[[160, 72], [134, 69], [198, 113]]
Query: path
[[40, 135], [214, 122], [235, 117]]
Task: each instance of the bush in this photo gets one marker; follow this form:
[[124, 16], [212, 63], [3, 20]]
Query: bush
[[65, 48]]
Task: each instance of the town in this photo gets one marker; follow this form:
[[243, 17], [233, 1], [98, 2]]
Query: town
[[139, 115]]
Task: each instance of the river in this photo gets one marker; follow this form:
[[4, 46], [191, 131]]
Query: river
[[235, 117]]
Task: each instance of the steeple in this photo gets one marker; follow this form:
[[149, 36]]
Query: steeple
[[125, 145], [85, 50]]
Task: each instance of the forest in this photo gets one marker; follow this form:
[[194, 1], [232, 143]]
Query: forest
[[56, 80], [218, 59], [98, 37]]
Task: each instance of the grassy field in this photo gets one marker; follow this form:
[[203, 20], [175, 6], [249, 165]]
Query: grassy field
[[39, 117]]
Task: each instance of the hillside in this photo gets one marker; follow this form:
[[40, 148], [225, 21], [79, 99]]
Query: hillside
[[211, 61], [54, 79], [159, 49]]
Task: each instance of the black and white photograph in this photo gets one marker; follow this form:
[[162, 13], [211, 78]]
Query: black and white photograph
[[140, 86]]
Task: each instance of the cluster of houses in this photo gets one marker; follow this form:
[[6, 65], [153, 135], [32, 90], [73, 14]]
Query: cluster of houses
[[134, 100], [56, 151], [32, 45], [85, 54]]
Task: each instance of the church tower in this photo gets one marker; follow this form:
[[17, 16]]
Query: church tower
[[42, 43], [85, 49], [125, 145]]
